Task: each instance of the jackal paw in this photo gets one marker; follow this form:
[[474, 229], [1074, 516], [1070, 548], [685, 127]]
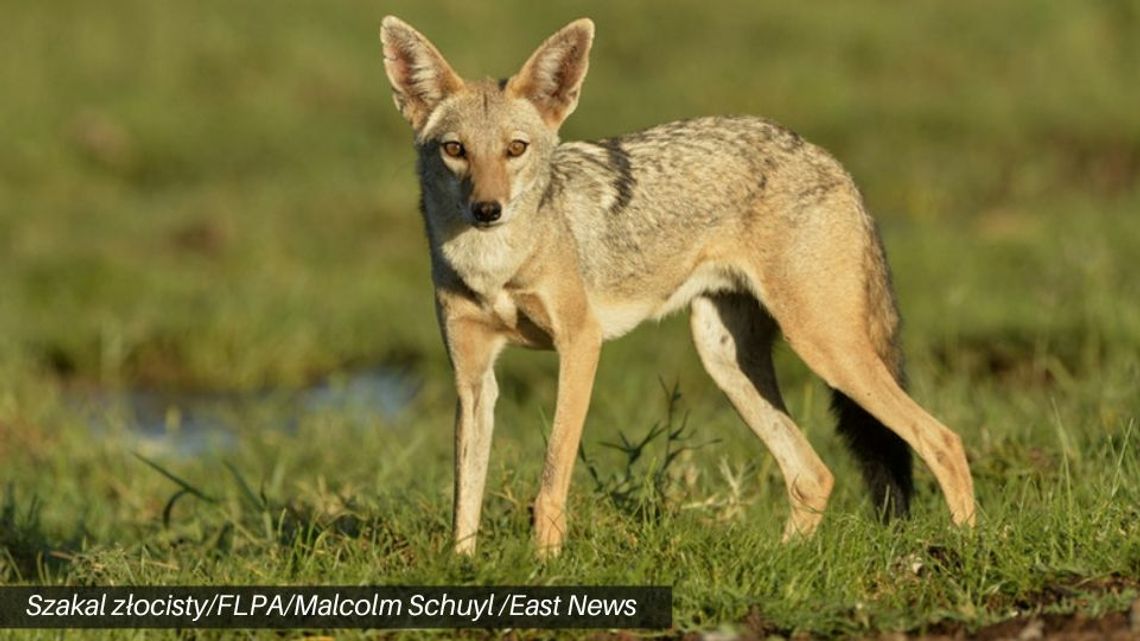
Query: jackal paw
[[549, 529]]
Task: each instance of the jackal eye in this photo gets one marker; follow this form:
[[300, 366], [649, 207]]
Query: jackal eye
[[454, 149], [516, 148]]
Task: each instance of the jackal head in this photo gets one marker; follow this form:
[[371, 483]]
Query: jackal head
[[484, 146]]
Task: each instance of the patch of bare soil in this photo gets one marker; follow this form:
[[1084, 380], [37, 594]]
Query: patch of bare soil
[[1116, 626]]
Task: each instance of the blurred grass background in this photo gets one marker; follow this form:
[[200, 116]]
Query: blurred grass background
[[220, 195]]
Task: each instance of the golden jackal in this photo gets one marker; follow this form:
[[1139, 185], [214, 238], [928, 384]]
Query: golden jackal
[[546, 244]]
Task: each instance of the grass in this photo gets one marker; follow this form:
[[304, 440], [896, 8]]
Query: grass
[[219, 196]]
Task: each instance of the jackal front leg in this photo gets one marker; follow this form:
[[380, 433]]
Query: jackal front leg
[[473, 348], [578, 362]]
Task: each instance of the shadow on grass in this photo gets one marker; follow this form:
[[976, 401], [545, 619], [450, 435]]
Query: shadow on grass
[[1022, 360], [27, 552]]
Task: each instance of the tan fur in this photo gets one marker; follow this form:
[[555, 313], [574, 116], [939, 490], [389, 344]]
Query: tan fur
[[757, 229]]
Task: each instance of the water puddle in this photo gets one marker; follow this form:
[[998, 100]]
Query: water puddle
[[191, 423]]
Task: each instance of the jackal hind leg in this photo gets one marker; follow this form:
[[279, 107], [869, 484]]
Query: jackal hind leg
[[734, 334], [828, 315]]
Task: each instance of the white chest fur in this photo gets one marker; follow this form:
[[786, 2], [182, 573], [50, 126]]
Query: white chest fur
[[504, 309], [484, 259]]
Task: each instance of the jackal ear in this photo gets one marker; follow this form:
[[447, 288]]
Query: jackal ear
[[420, 77], [552, 78]]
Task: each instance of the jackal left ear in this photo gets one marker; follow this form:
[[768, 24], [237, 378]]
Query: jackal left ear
[[552, 78], [420, 77]]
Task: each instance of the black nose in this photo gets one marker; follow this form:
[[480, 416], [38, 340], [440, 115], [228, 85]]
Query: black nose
[[487, 211]]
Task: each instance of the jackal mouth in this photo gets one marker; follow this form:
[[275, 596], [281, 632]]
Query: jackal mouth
[[484, 226]]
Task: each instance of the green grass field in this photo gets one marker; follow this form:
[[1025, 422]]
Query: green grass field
[[218, 197]]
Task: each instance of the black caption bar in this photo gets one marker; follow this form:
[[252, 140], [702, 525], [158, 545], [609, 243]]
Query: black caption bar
[[336, 607]]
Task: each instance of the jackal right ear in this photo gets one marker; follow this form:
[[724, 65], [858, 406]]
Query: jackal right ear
[[552, 78], [420, 77]]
